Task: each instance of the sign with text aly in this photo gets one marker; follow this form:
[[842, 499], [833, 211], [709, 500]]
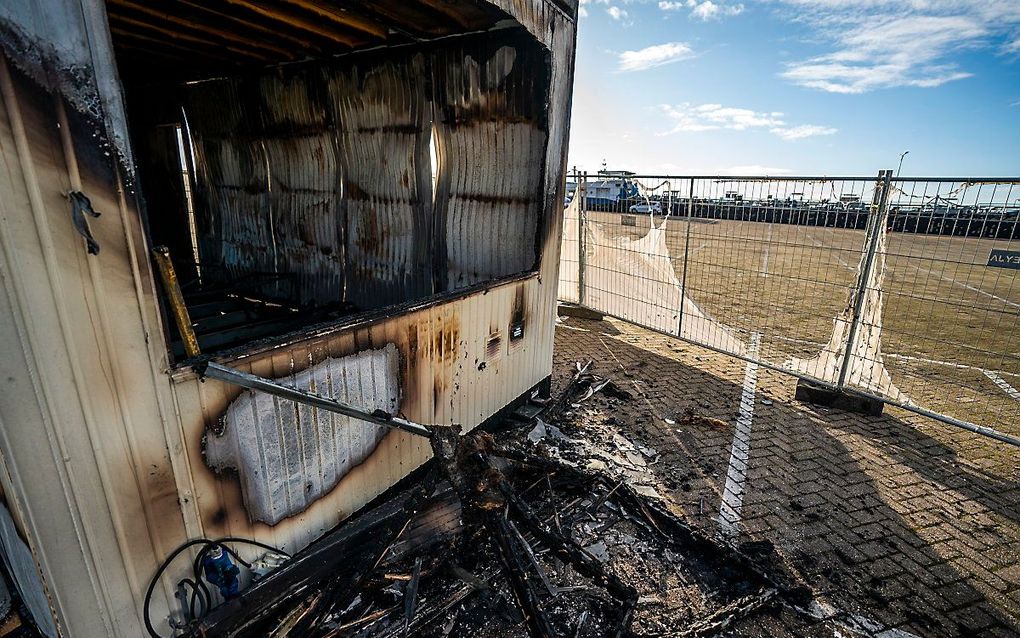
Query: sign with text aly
[[999, 258]]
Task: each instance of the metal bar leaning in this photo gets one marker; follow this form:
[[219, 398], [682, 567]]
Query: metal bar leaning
[[254, 382]]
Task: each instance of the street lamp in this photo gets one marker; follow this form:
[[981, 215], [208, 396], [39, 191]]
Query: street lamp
[[902, 155]]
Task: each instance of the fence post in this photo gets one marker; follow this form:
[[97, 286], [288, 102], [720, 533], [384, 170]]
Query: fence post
[[582, 249], [687, 248], [879, 207]]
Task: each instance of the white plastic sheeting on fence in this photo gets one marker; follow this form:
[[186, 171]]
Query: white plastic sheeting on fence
[[635, 279], [570, 252], [866, 368], [886, 287]]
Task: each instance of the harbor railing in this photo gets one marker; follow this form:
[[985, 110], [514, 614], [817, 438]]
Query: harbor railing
[[903, 290]]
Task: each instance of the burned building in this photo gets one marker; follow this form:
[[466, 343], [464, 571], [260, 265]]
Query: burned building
[[359, 200]]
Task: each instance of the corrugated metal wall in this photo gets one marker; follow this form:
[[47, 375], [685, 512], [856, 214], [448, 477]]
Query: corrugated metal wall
[[382, 116], [366, 120], [491, 129], [86, 412], [102, 449]]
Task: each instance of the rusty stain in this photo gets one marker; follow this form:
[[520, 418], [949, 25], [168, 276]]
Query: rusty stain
[[412, 342], [370, 234], [445, 339], [400, 129], [483, 198], [353, 191]]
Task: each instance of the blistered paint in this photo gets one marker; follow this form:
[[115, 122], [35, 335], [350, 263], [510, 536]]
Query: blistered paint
[[63, 45], [288, 455]]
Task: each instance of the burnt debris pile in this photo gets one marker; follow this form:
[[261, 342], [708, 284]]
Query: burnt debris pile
[[512, 534]]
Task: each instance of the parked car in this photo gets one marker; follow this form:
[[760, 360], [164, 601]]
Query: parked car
[[654, 208]]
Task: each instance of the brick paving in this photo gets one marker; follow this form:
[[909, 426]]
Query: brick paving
[[896, 520]]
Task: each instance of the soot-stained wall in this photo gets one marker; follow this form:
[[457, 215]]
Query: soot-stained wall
[[97, 404], [288, 455], [321, 173]]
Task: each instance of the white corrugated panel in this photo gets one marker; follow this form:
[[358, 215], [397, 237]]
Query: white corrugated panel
[[289, 455]]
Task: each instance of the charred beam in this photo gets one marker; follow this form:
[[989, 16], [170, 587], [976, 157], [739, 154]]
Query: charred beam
[[259, 26], [516, 572], [341, 559], [129, 38], [297, 21], [469, 15], [169, 36], [415, 19], [191, 26], [723, 618], [342, 15]]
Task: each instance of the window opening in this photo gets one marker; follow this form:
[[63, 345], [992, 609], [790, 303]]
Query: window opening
[[434, 159], [188, 201], [287, 186]]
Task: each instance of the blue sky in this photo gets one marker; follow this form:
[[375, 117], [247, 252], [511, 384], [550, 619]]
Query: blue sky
[[833, 87]]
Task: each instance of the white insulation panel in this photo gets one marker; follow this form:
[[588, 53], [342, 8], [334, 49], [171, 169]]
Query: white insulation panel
[[288, 455]]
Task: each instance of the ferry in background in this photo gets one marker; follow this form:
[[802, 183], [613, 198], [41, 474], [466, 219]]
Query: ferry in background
[[610, 189]]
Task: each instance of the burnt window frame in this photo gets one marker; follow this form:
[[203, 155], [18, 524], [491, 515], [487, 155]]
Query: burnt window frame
[[516, 35]]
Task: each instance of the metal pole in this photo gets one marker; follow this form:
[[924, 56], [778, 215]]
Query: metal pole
[[902, 155], [254, 382], [687, 248], [876, 225], [176, 301], [582, 248]]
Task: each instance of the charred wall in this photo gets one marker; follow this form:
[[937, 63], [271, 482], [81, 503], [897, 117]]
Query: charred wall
[[317, 178], [92, 403]]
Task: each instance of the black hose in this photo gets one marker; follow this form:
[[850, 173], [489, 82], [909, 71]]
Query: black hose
[[194, 597], [155, 579], [197, 584]]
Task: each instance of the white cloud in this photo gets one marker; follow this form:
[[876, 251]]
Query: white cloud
[[892, 43], [654, 56], [709, 10], [702, 9], [689, 118], [616, 13], [710, 117], [802, 131]]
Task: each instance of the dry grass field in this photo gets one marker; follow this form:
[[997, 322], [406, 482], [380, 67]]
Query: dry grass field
[[951, 324]]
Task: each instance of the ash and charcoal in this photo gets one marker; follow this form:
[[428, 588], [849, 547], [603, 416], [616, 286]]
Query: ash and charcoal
[[531, 531]]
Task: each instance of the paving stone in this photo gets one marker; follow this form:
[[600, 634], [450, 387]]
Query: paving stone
[[896, 518]]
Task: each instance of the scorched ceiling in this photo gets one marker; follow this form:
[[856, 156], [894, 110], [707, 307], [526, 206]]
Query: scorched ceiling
[[191, 39]]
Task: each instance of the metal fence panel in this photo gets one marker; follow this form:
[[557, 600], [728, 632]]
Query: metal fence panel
[[904, 289]]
